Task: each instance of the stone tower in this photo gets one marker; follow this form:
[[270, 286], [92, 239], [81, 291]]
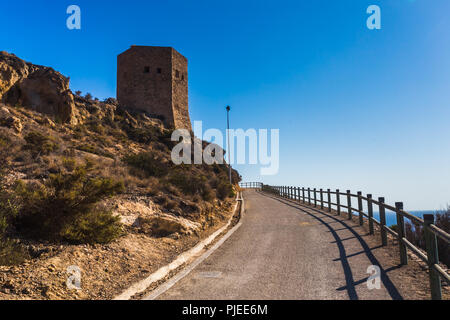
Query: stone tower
[[154, 80]]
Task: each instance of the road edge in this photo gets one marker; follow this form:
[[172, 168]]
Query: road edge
[[192, 258], [172, 281]]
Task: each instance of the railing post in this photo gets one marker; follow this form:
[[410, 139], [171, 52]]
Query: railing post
[[303, 193], [433, 257], [291, 193], [309, 196], [383, 231], [315, 198], [321, 198], [370, 212], [349, 205], [338, 202], [401, 233], [298, 194], [360, 208], [329, 200]]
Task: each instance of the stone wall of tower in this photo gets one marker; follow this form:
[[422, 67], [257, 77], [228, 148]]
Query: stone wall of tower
[[154, 80], [180, 91]]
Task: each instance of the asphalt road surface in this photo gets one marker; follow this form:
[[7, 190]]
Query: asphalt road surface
[[285, 250]]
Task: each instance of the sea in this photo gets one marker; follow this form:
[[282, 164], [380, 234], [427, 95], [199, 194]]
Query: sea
[[391, 218]]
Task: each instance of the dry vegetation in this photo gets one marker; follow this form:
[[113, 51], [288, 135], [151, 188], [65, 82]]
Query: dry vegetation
[[59, 182]]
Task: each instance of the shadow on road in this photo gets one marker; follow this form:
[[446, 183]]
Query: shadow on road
[[350, 282]]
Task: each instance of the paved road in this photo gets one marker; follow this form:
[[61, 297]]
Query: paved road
[[285, 251]]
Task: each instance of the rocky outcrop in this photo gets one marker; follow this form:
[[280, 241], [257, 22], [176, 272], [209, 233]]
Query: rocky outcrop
[[9, 120], [12, 70], [39, 88], [163, 225]]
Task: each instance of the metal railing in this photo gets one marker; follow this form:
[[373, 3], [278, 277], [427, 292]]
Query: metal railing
[[251, 185], [319, 198]]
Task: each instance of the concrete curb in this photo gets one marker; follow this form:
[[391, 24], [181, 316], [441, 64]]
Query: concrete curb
[[186, 257], [183, 273]]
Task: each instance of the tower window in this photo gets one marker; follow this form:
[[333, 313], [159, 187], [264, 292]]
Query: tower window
[[177, 73], [158, 70], [182, 77], [146, 69]]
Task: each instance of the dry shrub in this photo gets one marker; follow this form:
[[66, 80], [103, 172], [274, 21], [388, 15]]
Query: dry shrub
[[12, 253], [64, 208], [39, 144], [146, 163]]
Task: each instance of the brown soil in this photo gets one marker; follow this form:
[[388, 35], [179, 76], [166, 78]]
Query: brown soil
[[107, 270]]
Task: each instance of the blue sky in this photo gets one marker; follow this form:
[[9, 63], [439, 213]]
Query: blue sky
[[357, 109]]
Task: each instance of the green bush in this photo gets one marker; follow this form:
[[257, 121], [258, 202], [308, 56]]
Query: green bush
[[207, 193], [39, 144], [147, 163], [96, 126], [12, 253], [187, 182], [224, 190], [60, 209], [143, 135], [97, 226], [8, 212]]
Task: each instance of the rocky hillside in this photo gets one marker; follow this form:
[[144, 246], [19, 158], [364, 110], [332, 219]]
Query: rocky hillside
[[84, 182]]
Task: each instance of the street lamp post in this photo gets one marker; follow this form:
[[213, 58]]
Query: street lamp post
[[228, 135]]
